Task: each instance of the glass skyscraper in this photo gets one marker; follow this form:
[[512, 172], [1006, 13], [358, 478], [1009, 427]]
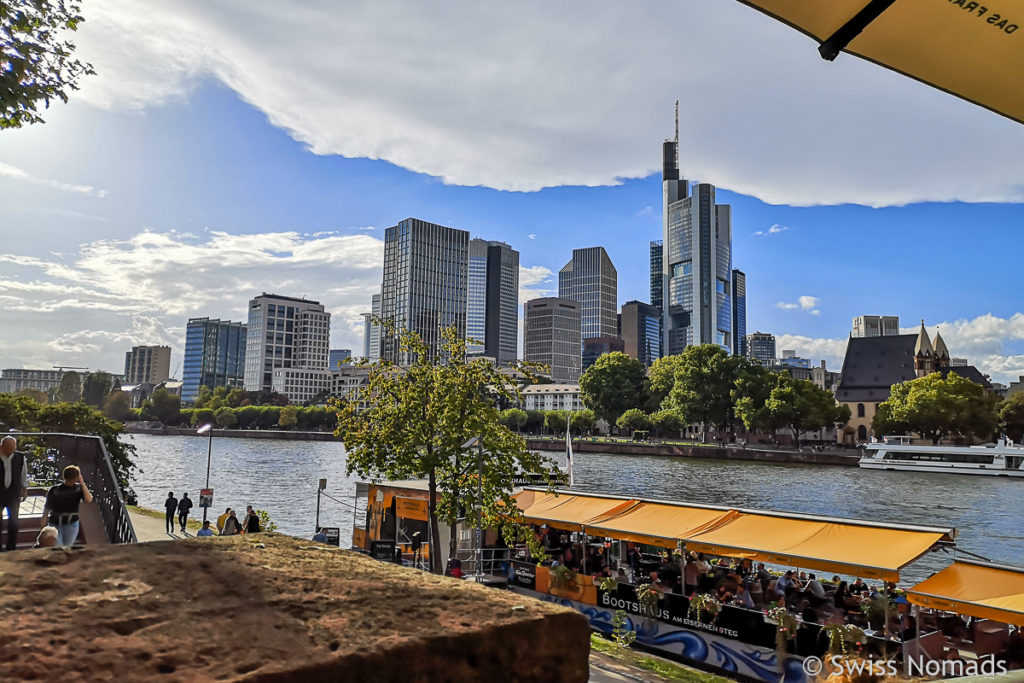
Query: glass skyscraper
[[739, 313], [492, 315], [657, 273], [640, 329], [591, 280], [214, 356]]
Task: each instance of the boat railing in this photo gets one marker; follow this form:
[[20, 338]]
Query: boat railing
[[493, 561]]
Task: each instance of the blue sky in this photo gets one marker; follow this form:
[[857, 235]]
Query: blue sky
[[165, 192]]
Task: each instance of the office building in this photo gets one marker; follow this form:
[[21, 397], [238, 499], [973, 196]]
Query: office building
[[595, 347], [337, 358], [147, 365], [739, 313], [590, 279], [640, 331], [657, 274], [789, 359], [492, 316], [425, 284], [214, 356], [761, 347], [697, 261], [958, 362], [551, 336], [552, 397], [371, 330], [285, 333], [14, 380], [876, 325]]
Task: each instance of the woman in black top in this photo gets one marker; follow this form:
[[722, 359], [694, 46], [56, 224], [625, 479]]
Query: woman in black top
[[62, 503], [252, 521]]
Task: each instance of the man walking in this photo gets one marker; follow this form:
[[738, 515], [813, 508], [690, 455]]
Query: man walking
[[13, 486], [170, 506], [184, 505]]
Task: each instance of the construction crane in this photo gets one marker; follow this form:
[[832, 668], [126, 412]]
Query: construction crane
[[65, 368]]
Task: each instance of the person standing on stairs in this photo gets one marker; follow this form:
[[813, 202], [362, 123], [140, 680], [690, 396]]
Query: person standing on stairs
[[13, 486], [62, 503]]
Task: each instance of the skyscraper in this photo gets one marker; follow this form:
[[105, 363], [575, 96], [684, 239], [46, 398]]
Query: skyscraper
[[761, 347], [739, 313], [876, 325], [657, 273], [493, 300], [286, 346], [425, 284], [591, 280], [371, 331], [214, 356], [551, 335], [697, 263], [640, 329], [147, 364]]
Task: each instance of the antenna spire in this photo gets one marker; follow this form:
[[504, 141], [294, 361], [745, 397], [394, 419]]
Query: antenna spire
[[677, 134]]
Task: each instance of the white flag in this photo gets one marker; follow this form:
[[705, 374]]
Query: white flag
[[568, 453]]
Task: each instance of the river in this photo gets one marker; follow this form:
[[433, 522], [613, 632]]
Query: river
[[281, 477]]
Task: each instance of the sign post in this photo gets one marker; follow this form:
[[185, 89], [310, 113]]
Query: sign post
[[208, 427], [205, 500]]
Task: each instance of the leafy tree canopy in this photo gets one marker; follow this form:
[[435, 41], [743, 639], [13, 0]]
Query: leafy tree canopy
[[614, 384], [632, 420], [937, 407], [662, 377], [96, 387], [1011, 416], [704, 381]]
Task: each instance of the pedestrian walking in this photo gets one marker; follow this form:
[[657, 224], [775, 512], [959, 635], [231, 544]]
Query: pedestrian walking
[[62, 503], [13, 486], [184, 505], [251, 525], [171, 507]]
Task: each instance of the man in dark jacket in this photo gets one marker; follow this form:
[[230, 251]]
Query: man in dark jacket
[[184, 505], [170, 506], [13, 486]]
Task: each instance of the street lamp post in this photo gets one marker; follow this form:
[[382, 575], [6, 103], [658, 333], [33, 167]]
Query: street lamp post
[[476, 441], [319, 490], [208, 427]]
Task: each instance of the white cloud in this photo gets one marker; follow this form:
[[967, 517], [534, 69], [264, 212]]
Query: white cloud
[[534, 94], [8, 171], [774, 230], [830, 350], [803, 303], [536, 282], [532, 236]]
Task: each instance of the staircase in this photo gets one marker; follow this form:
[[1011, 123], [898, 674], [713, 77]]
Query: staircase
[[101, 522]]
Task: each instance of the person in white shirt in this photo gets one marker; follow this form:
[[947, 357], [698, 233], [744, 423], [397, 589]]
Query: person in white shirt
[[814, 587], [742, 598], [13, 486]]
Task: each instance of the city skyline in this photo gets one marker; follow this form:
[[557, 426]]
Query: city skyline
[[140, 208]]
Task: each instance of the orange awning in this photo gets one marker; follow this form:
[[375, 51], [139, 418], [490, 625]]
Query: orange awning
[[976, 589], [569, 511], [847, 547], [661, 524]]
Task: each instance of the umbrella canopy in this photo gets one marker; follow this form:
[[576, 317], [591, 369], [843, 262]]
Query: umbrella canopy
[[974, 50]]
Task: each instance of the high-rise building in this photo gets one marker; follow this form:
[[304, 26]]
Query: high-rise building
[[657, 273], [697, 262], [595, 347], [286, 346], [591, 280], [336, 358], [493, 300], [425, 284], [551, 336], [761, 347], [371, 331], [214, 356], [14, 380], [876, 325], [147, 364], [739, 313], [640, 330]]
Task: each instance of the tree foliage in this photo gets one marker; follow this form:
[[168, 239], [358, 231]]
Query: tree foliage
[[632, 420], [705, 378], [770, 400], [36, 63], [225, 417], [118, 406], [34, 394], [1011, 416], [666, 423], [582, 421], [96, 387], [937, 407], [556, 421], [514, 419], [661, 377], [416, 422], [70, 388], [166, 406], [288, 417], [614, 384]]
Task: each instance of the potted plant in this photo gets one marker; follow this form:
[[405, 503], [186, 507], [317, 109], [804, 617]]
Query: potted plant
[[648, 596], [706, 606], [563, 580]]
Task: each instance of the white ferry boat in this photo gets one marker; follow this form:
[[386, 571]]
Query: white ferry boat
[[1003, 459]]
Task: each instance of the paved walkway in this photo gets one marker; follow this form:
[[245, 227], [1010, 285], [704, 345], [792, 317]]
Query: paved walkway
[[153, 528]]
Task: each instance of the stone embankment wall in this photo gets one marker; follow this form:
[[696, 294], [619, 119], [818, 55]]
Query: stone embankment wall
[[264, 607], [711, 452]]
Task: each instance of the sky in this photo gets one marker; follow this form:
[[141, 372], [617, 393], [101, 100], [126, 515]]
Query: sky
[[233, 148]]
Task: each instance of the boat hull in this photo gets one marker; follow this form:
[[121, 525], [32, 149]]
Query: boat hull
[[944, 468]]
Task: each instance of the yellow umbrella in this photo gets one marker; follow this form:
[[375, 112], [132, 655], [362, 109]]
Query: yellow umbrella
[[974, 50]]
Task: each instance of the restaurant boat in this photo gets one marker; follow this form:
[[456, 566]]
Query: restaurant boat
[[1003, 459], [734, 640]]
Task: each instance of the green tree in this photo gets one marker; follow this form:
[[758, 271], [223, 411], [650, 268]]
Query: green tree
[[203, 396], [70, 388], [937, 407], [202, 416], [96, 387], [118, 406], [662, 377], [555, 421], [614, 384], [666, 423], [632, 420], [534, 421], [514, 419], [705, 379], [416, 422], [225, 417], [1011, 416], [235, 397], [36, 395], [288, 417], [166, 406], [582, 421], [247, 416], [36, 63]]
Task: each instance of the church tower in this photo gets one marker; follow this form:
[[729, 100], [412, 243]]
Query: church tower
[[941, 352], [924, 354]]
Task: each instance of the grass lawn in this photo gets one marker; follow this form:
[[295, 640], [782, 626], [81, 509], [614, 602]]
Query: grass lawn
[[664, 668]]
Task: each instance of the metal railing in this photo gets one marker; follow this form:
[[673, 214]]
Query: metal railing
[[494, 561], [90, 455]]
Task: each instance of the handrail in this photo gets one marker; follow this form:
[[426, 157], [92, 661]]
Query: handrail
[[89, 453]]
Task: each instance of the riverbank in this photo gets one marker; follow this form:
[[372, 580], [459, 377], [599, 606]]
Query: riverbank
[[281, 435], [706, 451]]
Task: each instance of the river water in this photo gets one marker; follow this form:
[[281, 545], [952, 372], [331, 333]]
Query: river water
[[281, 477]]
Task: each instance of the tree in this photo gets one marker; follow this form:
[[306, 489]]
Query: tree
[[36, 64], [288, 417], [632, 420], [118, 406], [662, 377], [666, 423], [556, 421], [416, 422], [614, 384], [225, 417], [70, 388], [202, 416], [203, 396], [514, 419], [235, 397], [582, 421], [704, 381], [534, 421], [1011, 416], [96, 387], [166, 406], [34, 394], [936, 407]]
